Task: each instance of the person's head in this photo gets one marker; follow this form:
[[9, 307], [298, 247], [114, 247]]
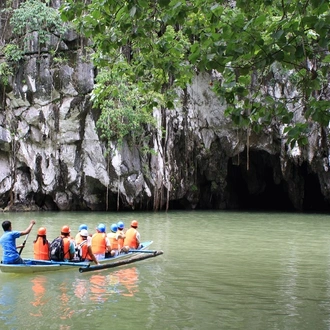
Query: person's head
[[134, 224], [101, 228], [42, 234], [65, 231], [6, 225], [120, 225], [114, 228], [84, 234], [42, 231], [83, 226]]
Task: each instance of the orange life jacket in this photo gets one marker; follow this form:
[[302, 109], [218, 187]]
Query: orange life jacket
[[99, 243], [130, 239], [41, 250], [83, 250], [113, 241], [66, 247]]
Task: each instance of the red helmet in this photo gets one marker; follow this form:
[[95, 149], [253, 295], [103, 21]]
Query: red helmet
[[65, 230], [134, 223], [42, 231]]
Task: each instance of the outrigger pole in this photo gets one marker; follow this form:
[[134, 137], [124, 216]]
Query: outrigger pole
[[149, 254]]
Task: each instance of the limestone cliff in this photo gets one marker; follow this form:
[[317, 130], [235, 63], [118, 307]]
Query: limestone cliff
[[52, 158]]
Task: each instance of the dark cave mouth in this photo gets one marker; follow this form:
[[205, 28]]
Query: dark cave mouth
[[271, 197], [260, 188], [267, 195]]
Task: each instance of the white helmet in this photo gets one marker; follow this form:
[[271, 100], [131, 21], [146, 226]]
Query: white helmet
[[84, 233]]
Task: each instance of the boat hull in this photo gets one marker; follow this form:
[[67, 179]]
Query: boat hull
[[37, 266]]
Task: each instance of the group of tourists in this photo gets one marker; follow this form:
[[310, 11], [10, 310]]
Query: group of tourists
[[81, 247]]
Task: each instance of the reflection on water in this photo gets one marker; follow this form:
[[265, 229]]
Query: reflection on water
[[129, 279], [39, 289], [99, 287], [92, 290]]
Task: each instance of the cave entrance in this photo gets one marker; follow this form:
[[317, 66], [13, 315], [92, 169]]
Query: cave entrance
[[259, 188], [314, 201]]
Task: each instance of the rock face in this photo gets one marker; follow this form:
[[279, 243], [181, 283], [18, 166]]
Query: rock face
[[52, 158]]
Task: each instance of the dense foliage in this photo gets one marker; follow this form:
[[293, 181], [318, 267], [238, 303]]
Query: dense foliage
[[36, 16], [260, 49], [32, 21], [123, 108]]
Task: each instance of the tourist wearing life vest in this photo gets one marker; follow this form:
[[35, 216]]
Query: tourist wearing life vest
[[41, 245], [100, 242], [84, 248], [68, 245], [113, 239], [121, 237], [132, 239], [78, 238]]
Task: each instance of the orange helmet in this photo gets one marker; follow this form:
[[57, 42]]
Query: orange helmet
[[42, 231], [134, 223], [65, 230]]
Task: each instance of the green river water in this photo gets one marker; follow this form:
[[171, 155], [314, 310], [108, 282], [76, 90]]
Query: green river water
[[219, 270]]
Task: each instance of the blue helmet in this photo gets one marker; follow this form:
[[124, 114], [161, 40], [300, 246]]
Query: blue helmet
[[120, 225], [81, 227], [101, 228], [114, 227]]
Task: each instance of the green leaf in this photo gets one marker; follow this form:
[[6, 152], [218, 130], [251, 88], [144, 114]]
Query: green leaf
[[164, 3], [279, 56], [278, 34], [309, 21], [170, 105], [132, 11], [194, 56], [240, 90], [260, 20]]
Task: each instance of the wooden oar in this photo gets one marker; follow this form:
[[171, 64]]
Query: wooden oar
[[23, 244], [120, 263]]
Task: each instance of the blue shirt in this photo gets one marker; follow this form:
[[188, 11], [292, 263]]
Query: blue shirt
[[8, 243]]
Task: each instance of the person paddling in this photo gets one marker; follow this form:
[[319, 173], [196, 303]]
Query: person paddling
[[8, 243]]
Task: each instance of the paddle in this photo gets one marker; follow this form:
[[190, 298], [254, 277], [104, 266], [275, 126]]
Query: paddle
[[23, 244]]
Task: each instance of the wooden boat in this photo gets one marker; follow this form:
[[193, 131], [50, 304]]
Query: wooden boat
[[34, 266]]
